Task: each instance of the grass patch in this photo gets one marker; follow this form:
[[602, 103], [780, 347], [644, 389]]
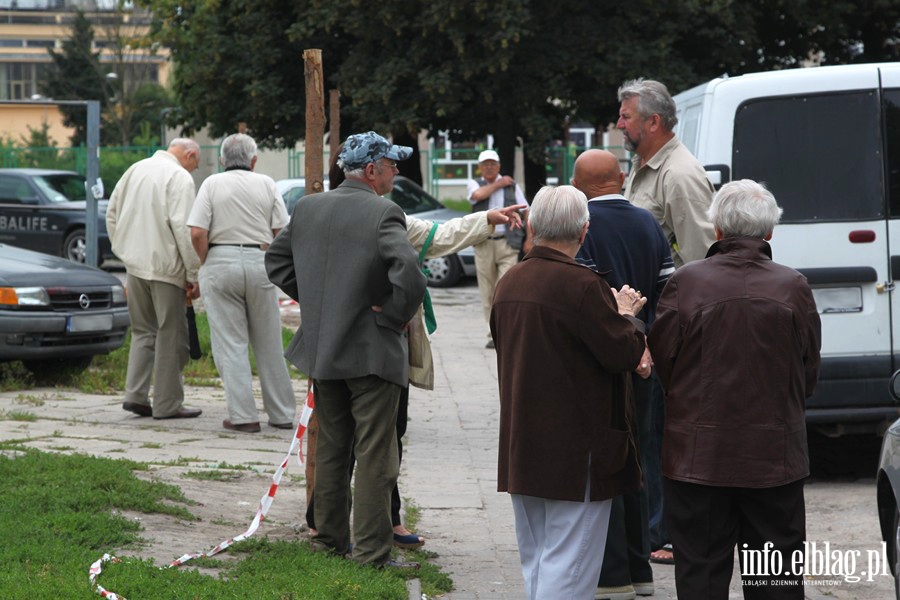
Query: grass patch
[[64, 511], [460, 205], [212, 475], [16, 415], [58, 511], [29, 399]]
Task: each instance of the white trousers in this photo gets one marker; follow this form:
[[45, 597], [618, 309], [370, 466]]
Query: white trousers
[[242, 306], [561, 545]]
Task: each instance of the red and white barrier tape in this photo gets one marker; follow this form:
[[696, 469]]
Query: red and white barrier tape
[[264, 504]]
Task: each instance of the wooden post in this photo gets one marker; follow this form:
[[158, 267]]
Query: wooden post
[[315, 120], [315, 132], [334, 121]]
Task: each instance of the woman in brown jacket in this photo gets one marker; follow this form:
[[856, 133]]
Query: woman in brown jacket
[[563, 356]]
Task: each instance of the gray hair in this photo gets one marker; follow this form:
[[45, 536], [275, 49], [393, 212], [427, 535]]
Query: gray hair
[[357, 173], [744, 208], [653, 99], [558, 214], [185, 144], [238, 150]]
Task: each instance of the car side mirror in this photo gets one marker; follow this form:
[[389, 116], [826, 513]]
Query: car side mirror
[[895, 385]]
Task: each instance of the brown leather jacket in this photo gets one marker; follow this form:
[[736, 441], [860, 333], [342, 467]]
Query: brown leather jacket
[[736, 346], [564, 355]]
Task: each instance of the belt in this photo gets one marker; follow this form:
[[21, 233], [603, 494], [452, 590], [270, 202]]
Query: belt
[[257, 246], [497, 237]]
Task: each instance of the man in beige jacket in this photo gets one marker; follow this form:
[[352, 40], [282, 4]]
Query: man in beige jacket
[[146, 220]]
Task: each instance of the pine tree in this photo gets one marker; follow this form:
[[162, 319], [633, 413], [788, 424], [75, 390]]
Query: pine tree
[[77, 75]]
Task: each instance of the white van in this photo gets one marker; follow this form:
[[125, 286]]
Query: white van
[[826, 141]]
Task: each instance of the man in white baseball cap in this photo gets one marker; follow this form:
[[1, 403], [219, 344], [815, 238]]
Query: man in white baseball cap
[[494, 256]]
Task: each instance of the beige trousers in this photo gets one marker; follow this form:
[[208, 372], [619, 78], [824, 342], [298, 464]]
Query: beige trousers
[[493, 258], [159, 344]]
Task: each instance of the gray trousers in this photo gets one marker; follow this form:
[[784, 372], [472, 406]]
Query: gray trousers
[[159, 345], [242, 306], [358, 414]]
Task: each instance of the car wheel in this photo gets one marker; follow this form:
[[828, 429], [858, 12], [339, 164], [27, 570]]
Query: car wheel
[[56, 367], [444, 271], [75, 246]]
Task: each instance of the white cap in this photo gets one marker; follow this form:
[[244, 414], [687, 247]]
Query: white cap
[[488, 155]]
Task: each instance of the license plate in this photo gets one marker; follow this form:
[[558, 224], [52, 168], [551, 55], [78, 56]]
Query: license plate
[[83, 323]]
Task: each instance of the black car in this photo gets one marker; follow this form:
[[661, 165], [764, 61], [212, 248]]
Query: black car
[[57, 314], [45, 210]]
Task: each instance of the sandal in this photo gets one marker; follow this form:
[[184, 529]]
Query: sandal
[[663, 556]]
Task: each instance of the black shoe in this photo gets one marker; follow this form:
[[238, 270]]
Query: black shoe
[[141, 410], [242, 427], [281, 425]]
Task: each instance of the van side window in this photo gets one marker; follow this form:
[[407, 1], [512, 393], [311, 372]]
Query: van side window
[[689, 123], [818, 173], [892, 143]]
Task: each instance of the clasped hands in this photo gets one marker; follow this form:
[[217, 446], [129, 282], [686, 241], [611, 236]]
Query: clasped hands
[[630, 302]]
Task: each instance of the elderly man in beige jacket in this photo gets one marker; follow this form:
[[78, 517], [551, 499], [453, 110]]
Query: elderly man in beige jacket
[[146, 220]]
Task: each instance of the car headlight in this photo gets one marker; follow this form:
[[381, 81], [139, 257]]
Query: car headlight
[[24, 296], [118, 295]]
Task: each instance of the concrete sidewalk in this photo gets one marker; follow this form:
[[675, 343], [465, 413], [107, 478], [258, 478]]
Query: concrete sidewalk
[[449, 463]]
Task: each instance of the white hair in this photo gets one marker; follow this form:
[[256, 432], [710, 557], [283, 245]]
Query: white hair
[[744, 208], [558, 214], [237, 150], [186, 144]]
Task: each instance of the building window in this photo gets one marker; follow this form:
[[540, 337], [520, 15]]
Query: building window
[[18, 81]]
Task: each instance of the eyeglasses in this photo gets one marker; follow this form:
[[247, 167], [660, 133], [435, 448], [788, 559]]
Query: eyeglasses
[[391, 164]]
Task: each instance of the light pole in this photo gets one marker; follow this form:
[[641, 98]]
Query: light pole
[[162, 125]]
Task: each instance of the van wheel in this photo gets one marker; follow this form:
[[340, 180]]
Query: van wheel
[[74, 246]]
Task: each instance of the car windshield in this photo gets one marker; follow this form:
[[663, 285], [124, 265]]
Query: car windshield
[[412, 198], [63, 187]]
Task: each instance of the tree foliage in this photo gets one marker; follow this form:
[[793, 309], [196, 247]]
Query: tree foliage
[[77, 76], [126, 89], [515, 68]]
